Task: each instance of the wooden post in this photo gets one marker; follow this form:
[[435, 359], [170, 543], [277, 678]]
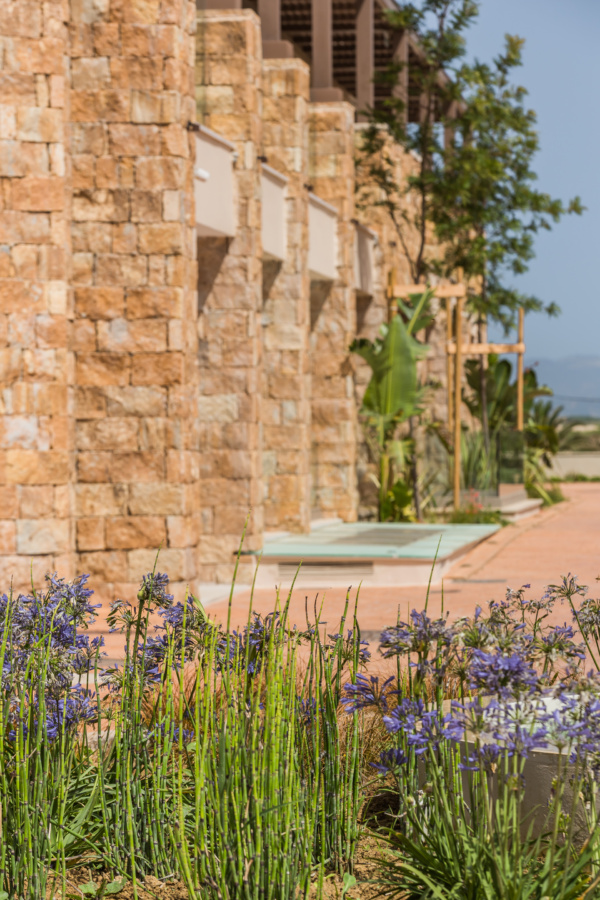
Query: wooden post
[[400, 89], [449, 362], [520, 379], [365, 55], [220, 4], [390, 294], [457, 401], [322, 44], [270, 19]]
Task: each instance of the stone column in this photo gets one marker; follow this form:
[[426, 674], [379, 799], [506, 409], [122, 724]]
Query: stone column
[[229, 101], [286, 312], [134, 283], [36, 439], [333, 320]]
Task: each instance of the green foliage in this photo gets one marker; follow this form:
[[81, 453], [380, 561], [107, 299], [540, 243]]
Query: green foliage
[[479, 189], [546, 431], [211, 757], [397, 503], [392, 397], [476, 515]]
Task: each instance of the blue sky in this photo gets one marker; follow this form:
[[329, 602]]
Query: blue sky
[[562, 74]]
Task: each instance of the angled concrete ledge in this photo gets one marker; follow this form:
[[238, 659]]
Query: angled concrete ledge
[[214, 184], [322, 239]]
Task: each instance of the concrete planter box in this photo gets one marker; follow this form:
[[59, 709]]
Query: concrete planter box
[[274, 219], [214, 187], [322, 240], [364, 259]]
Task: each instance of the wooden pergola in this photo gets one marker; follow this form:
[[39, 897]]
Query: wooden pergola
[[456, 349], [346, 42]]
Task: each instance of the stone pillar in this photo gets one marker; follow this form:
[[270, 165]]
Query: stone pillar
[[286, 311], [36, 439], [333, 320], [229, 101], [135, 334]]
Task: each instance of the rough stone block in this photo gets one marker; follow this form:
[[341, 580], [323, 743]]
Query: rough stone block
[[134, 140], [90, 74], [146, 206], [156, 499], [90, 534], [41, 125], [171, 561], [136, 401], [142, 74], [166, 237], [133, 532], [133, 337], [102, 368], [100, 302], [12, 164], [37, 536], [101, 499], [124, 238], [116, 269], [37, 467], [145, 107], [8, 537], [106, 38], [154, 301], [118, 433], [157, 368], [182, 531], [105, 566], [101, 206], [159, 173]]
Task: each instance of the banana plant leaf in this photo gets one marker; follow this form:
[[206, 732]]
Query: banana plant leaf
[[393, 393]]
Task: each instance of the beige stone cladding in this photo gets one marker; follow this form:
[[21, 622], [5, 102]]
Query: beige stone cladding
[[286, 405], [229, 101], [36, 366], [333, 320], [135, 338]]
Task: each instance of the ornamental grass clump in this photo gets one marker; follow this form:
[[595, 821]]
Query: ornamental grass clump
[[461, 772], [209, 756]]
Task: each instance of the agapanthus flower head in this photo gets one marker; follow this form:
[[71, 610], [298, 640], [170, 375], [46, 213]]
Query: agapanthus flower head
[[567, 588], [587, 617], [391, 760], [502, 674], [420, 635], [368, 692], [153, 590]]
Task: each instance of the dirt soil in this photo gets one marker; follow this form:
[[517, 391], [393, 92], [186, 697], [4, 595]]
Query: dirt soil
[[367, 868]]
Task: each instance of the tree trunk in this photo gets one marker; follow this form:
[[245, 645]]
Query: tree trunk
[[414, 474], [483, 397]]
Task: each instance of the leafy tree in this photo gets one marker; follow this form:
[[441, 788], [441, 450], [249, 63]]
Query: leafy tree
[[474, 185]]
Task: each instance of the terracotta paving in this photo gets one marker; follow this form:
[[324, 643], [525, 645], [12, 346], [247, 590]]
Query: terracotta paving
[[536, 551]]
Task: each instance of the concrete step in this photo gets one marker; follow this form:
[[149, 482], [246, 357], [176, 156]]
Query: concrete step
[[521, 509]]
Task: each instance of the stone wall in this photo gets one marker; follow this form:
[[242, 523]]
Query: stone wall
[[333, 321], [229, 101], [286, 310], [157, 387], [134, 289], [36, 364]]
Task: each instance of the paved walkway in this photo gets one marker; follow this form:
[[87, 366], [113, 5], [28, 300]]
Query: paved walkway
[[537, 551]]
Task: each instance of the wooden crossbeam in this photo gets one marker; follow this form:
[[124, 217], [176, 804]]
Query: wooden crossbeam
[[483, 349], [443, 291]]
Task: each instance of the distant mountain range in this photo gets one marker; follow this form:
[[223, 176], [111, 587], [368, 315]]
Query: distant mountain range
[[575, 381]]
